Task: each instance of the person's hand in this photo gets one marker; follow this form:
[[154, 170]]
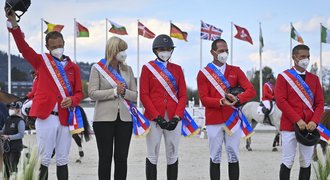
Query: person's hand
[[173, 123], [121, 89], [4, 137], [161, 122], [311, 126], [229, 100], [301, 124], [66, 102], [10, 14]]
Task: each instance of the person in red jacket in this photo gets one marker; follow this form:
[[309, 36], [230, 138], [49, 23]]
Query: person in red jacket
[[300, 98], [214, 83], [163, 107], [268, 96], [56, 95]]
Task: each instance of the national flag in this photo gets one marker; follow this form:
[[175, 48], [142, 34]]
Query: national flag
[[81, 31], [53, 27], [210, 32], [117, 29], [325, 35], [261, 41], [324, 133], [243, 34], [176, 32], [145, 32], [295, 35]]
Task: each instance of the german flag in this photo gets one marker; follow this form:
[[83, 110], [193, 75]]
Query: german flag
[[53, 27], [176, 32]]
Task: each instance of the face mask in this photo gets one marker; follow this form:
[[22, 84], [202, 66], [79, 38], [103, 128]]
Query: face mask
[[303, 63], [121, 56], [222, 57], [58, 53], [165, 55], [11, 112]]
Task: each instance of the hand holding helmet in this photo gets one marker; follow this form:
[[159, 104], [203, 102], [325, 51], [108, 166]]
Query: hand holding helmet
[[16, 5]]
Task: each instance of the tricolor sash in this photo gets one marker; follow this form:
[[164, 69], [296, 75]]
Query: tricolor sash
[[300, 87], [167, 80], [62, 82], [270, 86], [141, 125], [324, 133], [237, 120]]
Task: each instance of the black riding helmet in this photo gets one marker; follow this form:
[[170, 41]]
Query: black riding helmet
[[162, 41], [18, 5], [305, 137]]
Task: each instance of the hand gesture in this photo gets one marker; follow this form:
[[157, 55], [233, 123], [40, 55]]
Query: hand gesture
[[10, 14], [311, 126], [229, 100], [301, 124], [66, 102], [121, 89]]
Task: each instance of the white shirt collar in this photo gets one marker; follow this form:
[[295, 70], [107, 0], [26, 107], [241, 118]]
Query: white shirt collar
[[164, 63], [300, 73], [222, 68]]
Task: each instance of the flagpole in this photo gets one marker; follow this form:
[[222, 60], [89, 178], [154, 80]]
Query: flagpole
[[231, 45], [9, 64], [74, 40], [321, 54], [201, 50], [42, 35], [138, 65], [290, 47], [106, 31], [260, 68]]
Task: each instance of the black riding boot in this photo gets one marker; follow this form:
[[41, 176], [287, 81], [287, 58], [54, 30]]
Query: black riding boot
[[62, 172], [305, 173], [284, 172], [43, 172], [214, 170], [151, 170], [233, 171], [172, 171]]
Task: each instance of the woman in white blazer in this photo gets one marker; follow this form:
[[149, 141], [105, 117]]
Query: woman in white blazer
[[112, 120]]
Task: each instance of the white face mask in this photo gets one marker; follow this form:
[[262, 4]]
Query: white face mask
[[12, 112], [165, 55], [121, 56], [58, 53], [303, 63], [222, 57]]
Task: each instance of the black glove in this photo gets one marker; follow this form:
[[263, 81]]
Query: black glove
[[173, 123], [161, 122]]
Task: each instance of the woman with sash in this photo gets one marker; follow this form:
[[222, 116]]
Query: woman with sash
[[300, 98], [111, 85]]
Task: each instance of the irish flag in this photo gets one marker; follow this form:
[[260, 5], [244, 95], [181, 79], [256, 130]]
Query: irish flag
[[295, 35], [81, 31], [53, 27], [325, 35], [117, 29]]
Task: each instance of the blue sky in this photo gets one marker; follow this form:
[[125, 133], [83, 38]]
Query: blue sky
[[275, 17]]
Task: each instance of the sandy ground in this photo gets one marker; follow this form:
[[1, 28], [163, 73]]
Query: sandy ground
[[260, 164]]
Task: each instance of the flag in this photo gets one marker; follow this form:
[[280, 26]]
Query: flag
[[243, 34], [81, 31], [295, 35], [325, 35], [324, 133], [145, 32], [261, 40], [117, 29], [177, 33], [53, 27], [209, 32]]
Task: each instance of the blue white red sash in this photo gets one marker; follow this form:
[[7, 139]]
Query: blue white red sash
[[62, 82], [237, 120], [324, 133], [165, 77], [270, 86], [300, 87], [141, 125]]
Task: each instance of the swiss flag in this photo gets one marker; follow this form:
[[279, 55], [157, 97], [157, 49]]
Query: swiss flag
[[243, 34], [145, 32]]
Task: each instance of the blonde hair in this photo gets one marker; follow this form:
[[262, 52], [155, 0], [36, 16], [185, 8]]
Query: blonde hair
[[113, 47]]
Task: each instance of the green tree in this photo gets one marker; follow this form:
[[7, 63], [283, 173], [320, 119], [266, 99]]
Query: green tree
[[84, 84]]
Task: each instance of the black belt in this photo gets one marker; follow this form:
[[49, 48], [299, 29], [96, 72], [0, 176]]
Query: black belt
[[54, 113]]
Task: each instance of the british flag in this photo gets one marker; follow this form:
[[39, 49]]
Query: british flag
[[209, 32]]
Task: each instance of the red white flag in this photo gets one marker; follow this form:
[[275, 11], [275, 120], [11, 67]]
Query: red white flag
[[145, 32], [243, 34]]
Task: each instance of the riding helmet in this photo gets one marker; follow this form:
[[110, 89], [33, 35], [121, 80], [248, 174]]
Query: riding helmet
[[306, 137]]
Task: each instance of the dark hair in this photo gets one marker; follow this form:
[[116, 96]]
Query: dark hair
[[299, 47], [53, 35], [214, 43]]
